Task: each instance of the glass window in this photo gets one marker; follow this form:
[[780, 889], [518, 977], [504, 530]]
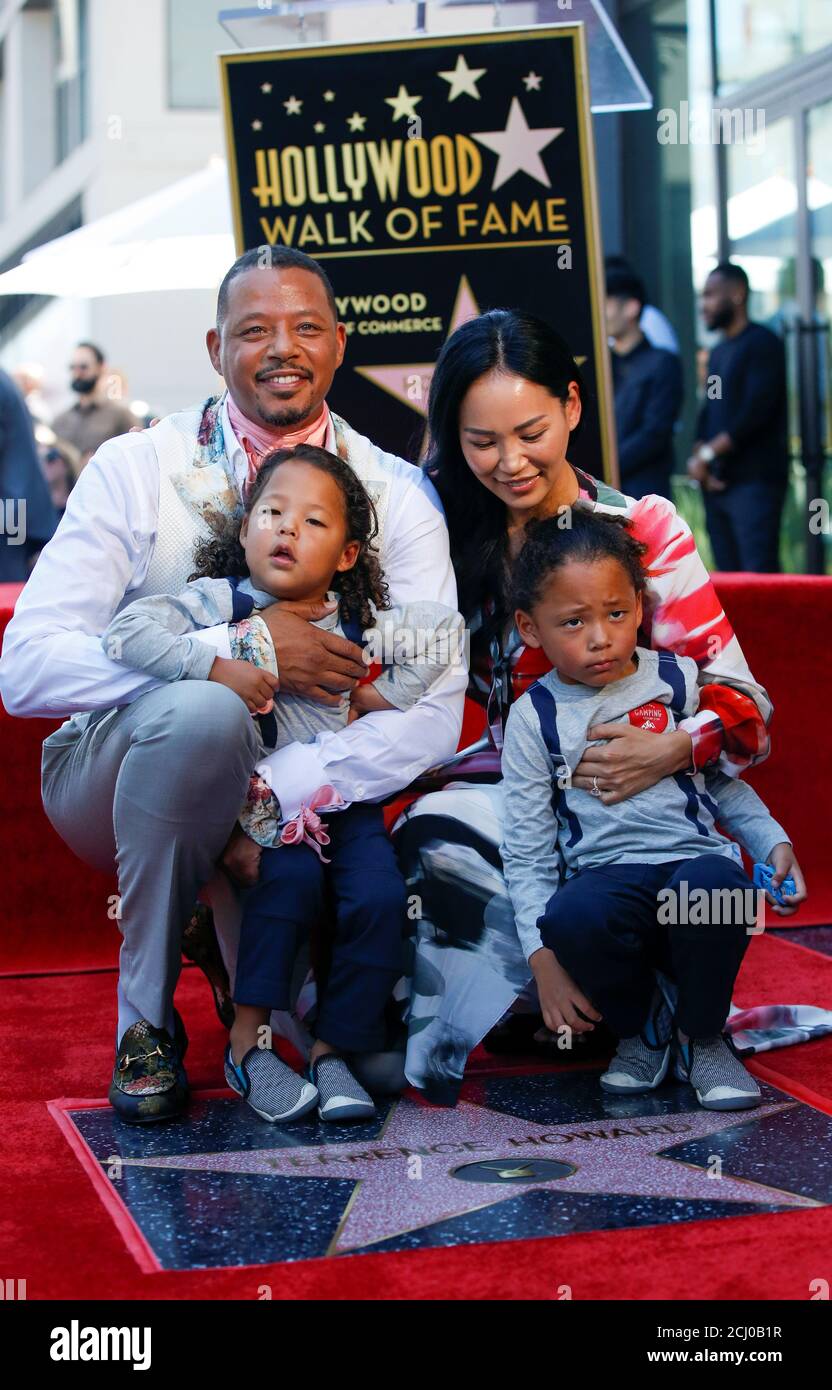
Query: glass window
[[754, 37], [70, 75], [762, 221], [195, 37]]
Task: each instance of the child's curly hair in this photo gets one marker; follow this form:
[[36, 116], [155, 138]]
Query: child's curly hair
[[579, 533], [222, 554]]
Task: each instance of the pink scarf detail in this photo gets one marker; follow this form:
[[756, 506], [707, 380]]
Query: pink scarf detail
[[307, 827], [259, 440]]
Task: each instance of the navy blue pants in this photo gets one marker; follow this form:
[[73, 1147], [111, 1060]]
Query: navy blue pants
[[362, 893], [604, 927], [744, 526]]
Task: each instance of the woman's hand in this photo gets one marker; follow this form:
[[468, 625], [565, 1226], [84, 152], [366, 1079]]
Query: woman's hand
[[633, 760], [783, 861], [311, 660], [254, 686], [559, 996], [241, 858]]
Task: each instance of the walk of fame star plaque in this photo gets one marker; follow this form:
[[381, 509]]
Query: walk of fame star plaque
[[521, 1156], [434, 177]]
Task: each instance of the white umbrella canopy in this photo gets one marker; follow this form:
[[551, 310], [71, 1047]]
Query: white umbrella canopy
[[176, 239]]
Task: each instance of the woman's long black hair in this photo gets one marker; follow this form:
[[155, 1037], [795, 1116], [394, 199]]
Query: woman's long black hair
[[222, 554], [518, 344]]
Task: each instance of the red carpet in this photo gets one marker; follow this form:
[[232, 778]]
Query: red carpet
[[56, 1233], [57, 1034], [55, 910]]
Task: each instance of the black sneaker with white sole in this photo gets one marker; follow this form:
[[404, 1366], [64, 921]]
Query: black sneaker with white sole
[[637, 1067], [341, 1096], [716, 1073], [640, 1063], [273, 1090]]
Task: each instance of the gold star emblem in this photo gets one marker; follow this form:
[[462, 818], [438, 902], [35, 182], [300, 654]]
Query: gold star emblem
[[266, 88], [319, 127], [293, 106], [463, 80], [403, 104], [532, 81], [356, 122], [409, 382], [257, 125], [329, 96]]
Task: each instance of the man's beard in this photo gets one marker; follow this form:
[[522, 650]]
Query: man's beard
[[284, 415], [723, 318]]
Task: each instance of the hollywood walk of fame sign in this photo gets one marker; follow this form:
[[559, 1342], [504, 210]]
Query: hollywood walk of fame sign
[[519, 1157], [435, 178]]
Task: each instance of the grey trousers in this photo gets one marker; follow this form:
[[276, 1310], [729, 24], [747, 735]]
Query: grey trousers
[[153, 789]]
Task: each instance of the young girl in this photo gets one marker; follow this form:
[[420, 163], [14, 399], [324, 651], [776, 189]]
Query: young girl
[[307, 530], [604, 895]]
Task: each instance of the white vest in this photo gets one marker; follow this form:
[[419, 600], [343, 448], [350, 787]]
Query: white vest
[[195, 492]]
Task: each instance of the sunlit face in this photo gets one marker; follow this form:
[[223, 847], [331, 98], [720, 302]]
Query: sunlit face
[[586, 622], [295, 537], [514, 437], [279, 345]]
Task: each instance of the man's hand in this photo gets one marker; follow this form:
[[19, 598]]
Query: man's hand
[[633, 760], [712, 484], [241, 858], [312, 663], [697, 468], [783, 861], [254, 686], [560, 998]]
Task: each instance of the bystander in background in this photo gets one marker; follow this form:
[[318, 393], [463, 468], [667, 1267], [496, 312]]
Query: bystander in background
[[740, 458], [648, 390]]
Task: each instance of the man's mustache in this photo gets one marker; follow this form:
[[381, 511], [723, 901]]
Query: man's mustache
[[287, 371]]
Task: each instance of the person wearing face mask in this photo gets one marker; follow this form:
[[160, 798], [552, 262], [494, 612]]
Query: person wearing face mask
[[94, 418]]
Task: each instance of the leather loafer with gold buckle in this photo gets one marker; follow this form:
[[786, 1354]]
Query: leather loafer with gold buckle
[[149, 1081]]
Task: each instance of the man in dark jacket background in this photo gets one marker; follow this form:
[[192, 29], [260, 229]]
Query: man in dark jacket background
[[28, 517], [647, 382], [741, 456]]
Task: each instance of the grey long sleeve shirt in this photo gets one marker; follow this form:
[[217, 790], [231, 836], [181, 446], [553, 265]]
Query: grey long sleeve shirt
[[415, 642], [552, 829]]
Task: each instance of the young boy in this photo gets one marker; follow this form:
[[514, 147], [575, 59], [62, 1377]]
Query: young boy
[[603, 894]]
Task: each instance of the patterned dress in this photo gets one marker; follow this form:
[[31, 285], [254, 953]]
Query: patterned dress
[[467, 966]]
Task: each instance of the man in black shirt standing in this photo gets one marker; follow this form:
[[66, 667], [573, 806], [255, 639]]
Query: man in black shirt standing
[[647, 382], [741, 456]]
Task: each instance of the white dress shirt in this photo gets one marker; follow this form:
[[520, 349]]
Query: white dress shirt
[[53, 662]]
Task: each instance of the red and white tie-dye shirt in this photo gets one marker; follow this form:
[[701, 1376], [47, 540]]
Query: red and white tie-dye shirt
[[683, 614]]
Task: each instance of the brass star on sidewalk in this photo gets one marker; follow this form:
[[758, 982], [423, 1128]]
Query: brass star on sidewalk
[[417, 1172]]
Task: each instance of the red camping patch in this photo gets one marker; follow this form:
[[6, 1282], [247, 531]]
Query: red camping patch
[[652, 716]]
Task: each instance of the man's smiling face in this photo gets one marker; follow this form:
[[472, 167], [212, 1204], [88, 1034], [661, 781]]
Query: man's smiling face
[[278, 345]]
